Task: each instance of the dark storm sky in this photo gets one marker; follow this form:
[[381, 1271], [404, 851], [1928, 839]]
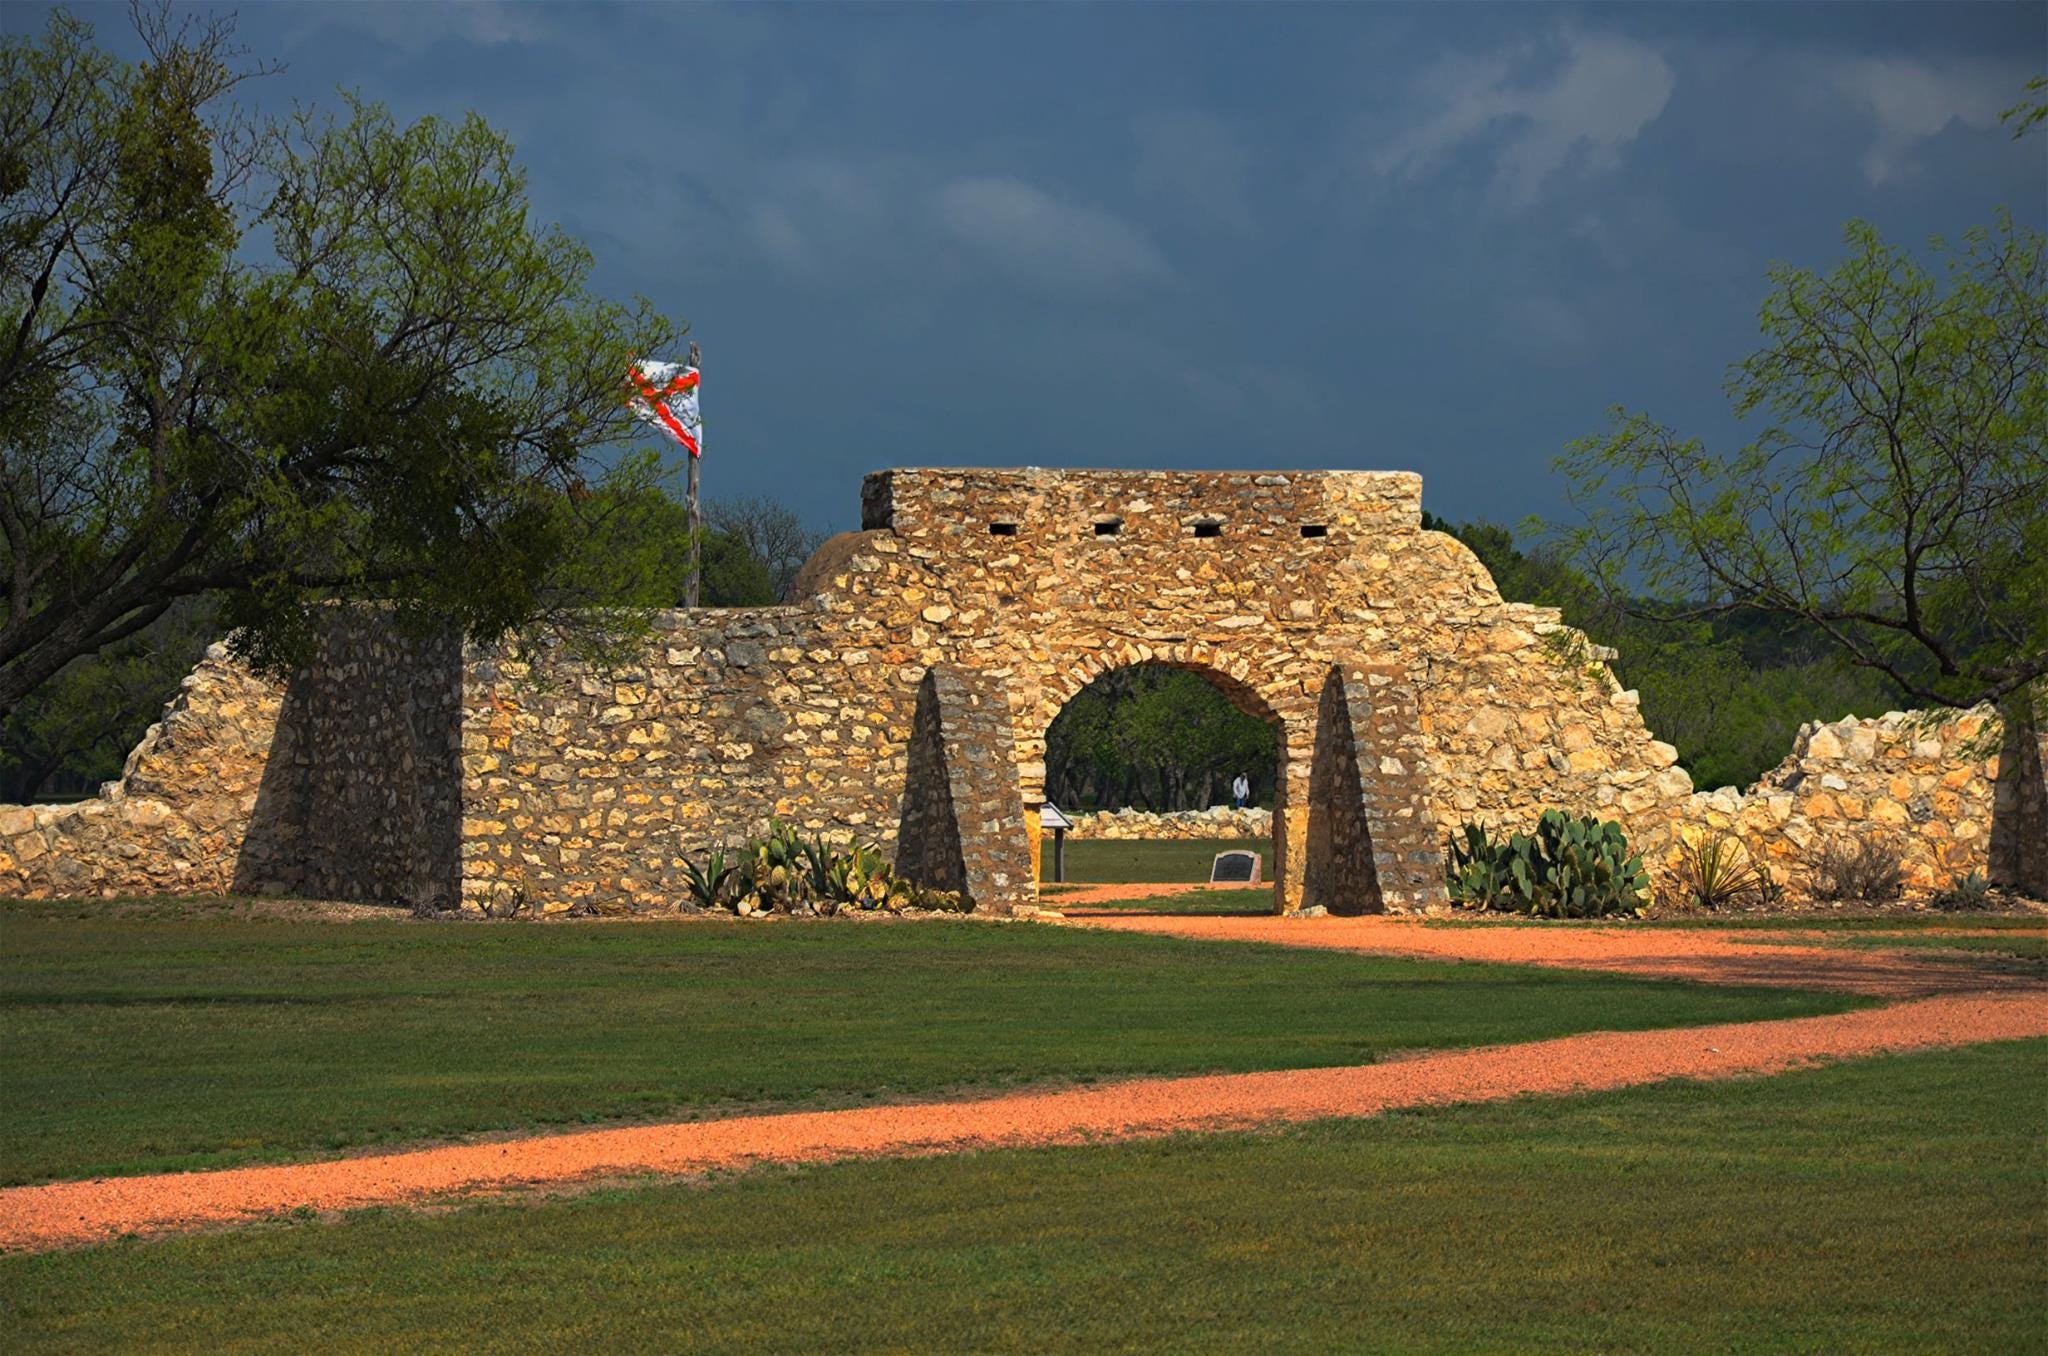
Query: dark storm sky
[[1442, 238]]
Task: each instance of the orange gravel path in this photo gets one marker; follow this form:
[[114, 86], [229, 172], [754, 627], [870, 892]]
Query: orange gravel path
[[72, 1213], [1662, 953]]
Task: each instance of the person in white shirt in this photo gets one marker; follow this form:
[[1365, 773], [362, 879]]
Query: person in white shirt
[[1240, 790]]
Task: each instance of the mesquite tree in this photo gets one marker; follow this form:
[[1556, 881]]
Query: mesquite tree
[[1896, 498], [282, 362]]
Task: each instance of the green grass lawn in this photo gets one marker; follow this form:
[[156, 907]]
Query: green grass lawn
[[1932, 923], [2024, 946], [1249, 903], [130, 1045], [1910, 922], [1150, 861], [1893, 1204]]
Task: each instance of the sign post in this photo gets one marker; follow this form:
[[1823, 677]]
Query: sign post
[[1049, 817]]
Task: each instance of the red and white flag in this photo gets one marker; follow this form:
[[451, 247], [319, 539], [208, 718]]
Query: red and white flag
[[666, 397]]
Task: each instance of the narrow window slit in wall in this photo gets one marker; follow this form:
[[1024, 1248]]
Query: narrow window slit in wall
[[1109, 527], [1000, 528], [1208, 529], [1314, 530]]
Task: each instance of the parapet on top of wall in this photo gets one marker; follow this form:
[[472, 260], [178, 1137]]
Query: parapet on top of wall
[[994, 506]]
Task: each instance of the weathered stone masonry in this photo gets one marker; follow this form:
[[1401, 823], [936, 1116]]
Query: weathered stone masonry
[[906, 699], [342, 784]]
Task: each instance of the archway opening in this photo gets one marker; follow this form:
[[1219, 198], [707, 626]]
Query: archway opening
[[1162, 767]]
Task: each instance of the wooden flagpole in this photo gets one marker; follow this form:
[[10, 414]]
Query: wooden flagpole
[[690, 593]]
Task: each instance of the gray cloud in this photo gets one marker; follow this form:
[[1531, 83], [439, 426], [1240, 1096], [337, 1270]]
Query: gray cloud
[[1196, 162], [410, 27], [1578, 99], [1910, 101], [1033, 234]]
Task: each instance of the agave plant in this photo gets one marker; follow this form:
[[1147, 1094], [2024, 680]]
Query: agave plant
[[709, 885]]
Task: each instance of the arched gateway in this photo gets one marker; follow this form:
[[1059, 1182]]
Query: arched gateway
[[905, 697]]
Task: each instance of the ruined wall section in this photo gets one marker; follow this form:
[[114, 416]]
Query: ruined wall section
[[1216, 822], [1932, 788], [175, 821], [339, 784]]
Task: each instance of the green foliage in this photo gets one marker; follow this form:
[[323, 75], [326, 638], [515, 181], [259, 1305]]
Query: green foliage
[[75, 731], [1892, 501], [1715, 871], [1155, 737], [785, 872], [278, 362], [2031, 111], [629, 542], [771, 534], [1571, 867]]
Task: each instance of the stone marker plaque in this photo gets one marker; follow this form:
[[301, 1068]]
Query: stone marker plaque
[[1235, 868]]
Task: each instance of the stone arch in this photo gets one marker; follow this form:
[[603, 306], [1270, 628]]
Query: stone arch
[[1290, 713]]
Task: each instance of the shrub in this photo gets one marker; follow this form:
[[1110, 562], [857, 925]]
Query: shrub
[[1715, 871], [1964, 893], [1870, 868], [1571, 867], [785, 872]]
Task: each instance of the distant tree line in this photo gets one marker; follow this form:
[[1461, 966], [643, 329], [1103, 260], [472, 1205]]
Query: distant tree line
[[1154, 737]]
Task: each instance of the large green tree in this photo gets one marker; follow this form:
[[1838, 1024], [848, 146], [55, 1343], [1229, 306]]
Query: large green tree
[[283, 362], [1896, 498]]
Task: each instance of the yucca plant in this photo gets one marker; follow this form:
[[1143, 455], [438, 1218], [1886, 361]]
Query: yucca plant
[[1964, 892], [786, 872], [1715, 871]]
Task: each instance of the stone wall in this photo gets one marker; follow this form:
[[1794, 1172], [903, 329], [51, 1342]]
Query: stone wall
[[1218, 821], [1931, 787], [1372, 837], [1263, 584], [340, 784], [401, 768], [361, 797], [585, 786], [957, 830], [176, 820]]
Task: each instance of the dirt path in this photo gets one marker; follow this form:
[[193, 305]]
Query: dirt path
[[1664, 953], [1072, 896], [73, 1213]]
